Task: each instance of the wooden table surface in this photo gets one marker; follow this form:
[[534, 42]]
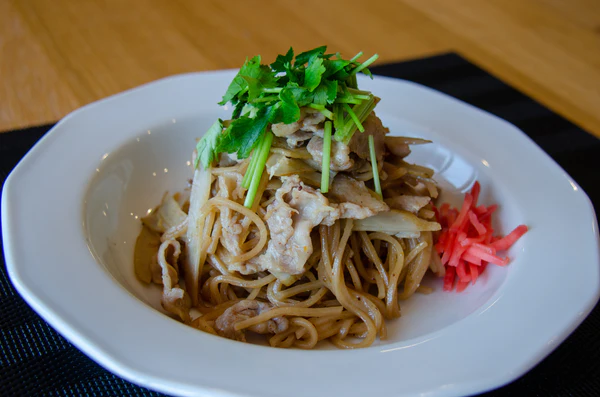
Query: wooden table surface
[[57, 55]]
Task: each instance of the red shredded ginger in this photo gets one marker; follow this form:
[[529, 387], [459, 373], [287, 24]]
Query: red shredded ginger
[[467, 243]]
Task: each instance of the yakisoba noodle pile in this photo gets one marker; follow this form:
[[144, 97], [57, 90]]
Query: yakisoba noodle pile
[[272, 241]]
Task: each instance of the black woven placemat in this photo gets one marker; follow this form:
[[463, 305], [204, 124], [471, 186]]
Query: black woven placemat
[[35, 360]]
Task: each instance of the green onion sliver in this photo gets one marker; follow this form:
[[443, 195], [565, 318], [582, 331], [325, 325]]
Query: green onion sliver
[[338, 116], [262, 155], [326, 160], [352, 100], [266, 99], [355, 57], [325, 112], [374, 166], [274, 90], [354, 118], [365, 64], [250, 170], [354, 91]]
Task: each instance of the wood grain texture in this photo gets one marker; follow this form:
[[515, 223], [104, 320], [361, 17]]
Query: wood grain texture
[[57, 55]]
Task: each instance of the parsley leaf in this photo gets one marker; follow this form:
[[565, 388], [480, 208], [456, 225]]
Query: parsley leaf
[[313, 73], [301, 95], [334, 66], [239, 108], [283, 63], [325, 93], [251, 68], [303, 58], [367, 72], [243, 133], [207, 146], [237, 84], [289, 111]]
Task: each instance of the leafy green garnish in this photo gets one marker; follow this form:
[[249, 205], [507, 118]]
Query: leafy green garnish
[[262, 95], [283, 63], [304, 57], [251, 68], [206, 147], [243, 133], [313, 73], [289, 111]]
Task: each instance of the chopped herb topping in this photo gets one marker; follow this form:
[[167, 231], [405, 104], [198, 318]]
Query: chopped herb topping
[[268, 94]]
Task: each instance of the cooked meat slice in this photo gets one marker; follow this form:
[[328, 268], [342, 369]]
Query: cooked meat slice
[[312, 207], [174, 299], [351, 194], [244, 310], [280, 165], [354, 211], [397, 146], [145, 261], [312, 119], [178, 302], [167, 215], [170, 212], [408, 203], [227, 159], [298, 138], [309, 121], [359, 143], [417, 186], [340, 154], [283, 130], [297, 208]]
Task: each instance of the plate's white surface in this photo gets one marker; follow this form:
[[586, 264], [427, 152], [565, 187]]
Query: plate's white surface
[[69, 223]]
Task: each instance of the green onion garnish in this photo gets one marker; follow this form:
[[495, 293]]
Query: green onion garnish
[[326, 158], [374, 166], [261, 159]]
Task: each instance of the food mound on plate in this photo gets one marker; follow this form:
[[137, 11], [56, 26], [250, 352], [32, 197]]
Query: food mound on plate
[[303, 221]]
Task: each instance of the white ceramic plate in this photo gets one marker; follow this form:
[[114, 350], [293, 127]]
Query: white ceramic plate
[[70, 214]]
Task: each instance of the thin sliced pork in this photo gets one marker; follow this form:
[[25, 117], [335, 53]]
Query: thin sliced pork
[[244, 310]]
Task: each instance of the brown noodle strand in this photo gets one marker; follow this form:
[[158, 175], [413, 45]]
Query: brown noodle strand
[[231, 294], [216, 281], [341, 292], [334, 236], [287, 311], [309, 337], [357, 258], [215, 237], [220, 201], [374, 257], [254, 293], [397, 262], [313, 300], [325, 262], [345, 327], [218, 264], [354, 275], [289, 292], [417, 268], [415, 251], [422, 289]]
